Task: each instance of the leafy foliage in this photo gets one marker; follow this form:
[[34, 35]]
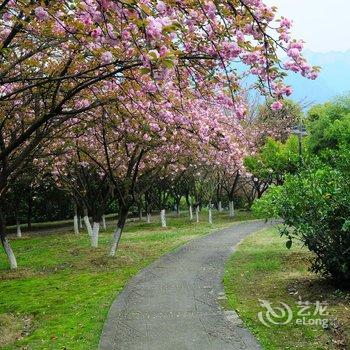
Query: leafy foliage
[[314, 203], [329, 126], [314, 207], [274, 160]]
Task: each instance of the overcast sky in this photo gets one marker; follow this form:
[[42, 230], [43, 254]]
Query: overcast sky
[[324, 25]]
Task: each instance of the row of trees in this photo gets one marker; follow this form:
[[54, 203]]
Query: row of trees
[[110, 95]]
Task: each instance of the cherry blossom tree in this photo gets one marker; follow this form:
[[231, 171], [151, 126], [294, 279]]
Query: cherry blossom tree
[[60, 59]]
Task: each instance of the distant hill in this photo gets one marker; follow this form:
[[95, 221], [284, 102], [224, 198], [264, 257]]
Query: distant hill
[[334, 79]]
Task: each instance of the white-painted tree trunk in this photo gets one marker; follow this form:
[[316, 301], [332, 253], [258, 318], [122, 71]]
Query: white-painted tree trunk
[[88, 225], [148, 218], [80, 222], [94, 236], [116, 239], [191, 212], [18, 226], [104, 225], [197, 213], [9, 252], [210, 217], [231, 209], [163, 218], [220, 206], [76, 224]]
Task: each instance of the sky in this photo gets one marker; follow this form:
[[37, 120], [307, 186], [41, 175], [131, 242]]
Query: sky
[[323, 25]]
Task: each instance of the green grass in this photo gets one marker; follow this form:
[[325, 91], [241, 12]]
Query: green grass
[[263, 268], [60, 295]]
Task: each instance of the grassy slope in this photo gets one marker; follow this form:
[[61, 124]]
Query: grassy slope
[[263, 268], [60, 296]]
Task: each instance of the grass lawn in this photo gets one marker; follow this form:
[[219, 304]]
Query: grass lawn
[[263, 268], [60, 295]]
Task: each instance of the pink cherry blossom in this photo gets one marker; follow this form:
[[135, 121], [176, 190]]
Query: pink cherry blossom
[[107, 57], [41, 13], [276, 106]]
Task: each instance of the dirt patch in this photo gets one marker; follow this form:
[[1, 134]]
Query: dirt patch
[[100, 261], [17, 274], [314, 288], [338, 301], [339, 338], [298, 259], [14, 327]]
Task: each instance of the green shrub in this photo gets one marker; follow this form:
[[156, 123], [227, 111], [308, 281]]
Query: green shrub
[[315, 208]]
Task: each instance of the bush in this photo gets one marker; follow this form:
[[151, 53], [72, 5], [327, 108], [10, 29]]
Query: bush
[[315, 208]]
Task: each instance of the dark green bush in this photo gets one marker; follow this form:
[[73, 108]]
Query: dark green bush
[[315, 208]]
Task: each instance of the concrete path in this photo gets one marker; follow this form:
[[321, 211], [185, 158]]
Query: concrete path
[[174, 303]]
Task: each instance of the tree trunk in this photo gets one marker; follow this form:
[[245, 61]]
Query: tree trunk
[[87, 223], [197, 213], [18, 225], [191, 212], [94, 236], [76, 224], [75, 220], [140, 214], [177, 206], [104, 225], [9, 252], [220, 206], [210, 217], [163, 218], [80, 222], [119, 230], [148, 218], [231, 209], [6, 244]]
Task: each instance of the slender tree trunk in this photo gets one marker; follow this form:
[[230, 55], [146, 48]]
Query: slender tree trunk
[[197, 213], [163, 218], [76, 224], [94, 236], [87, 223], [104, 224], [75, 220], [6, 244], [9, 252], [191, 212], [210, 216], [118, 231], [148, 218], [178, 207], [140, 214], [80, 222], [231, 209], [18, 226], [220, 206]]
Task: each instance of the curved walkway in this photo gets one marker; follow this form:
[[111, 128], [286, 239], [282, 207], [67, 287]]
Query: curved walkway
[[173, 304]]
